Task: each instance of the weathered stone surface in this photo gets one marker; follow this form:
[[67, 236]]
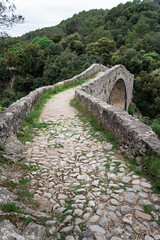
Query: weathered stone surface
[[33, 231], [131, 198], [69, 238], [128, 219], [66, 229], [78, 212], [99, 236], [9, 232], [114, 202], [125, 209], [143, 215], [103, 222], [97, 228], [6, 195]]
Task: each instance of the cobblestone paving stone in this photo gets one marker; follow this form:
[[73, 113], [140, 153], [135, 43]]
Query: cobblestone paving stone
[[87, 187]]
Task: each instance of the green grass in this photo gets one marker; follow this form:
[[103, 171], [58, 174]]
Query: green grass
[[151, 164], [9, 184], [86, 117], [148, 208], [10, 207], [116, 167], [28, 220], [150, 169]]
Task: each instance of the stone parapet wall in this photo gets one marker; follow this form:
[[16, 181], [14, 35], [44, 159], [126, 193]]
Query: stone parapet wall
[[12, 117], [134, 138]]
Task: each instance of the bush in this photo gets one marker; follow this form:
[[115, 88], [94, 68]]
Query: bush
[[156, 126], [151, 165]]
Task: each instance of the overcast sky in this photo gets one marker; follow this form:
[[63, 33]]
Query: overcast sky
[[45, 13]]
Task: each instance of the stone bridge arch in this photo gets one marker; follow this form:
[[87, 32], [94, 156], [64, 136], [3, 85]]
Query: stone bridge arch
[[114, 87], [118, 96]]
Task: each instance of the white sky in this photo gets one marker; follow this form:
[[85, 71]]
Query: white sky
[[45, 13]]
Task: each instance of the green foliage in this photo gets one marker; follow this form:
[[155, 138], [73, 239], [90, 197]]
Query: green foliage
[[148, 87], [151, 165], [4, 74], [156, 126], [43, 42], [104, 47], [148, 208], [11, 207], [28, 220]]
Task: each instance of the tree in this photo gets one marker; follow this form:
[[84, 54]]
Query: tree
[[104, 48], [7, 16], [26, 58], [43, 42]]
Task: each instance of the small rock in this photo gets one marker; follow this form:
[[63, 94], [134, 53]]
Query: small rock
[[89, 155], [100, 212], [104, 198], [47, 195], [126, 179], [78, 221], [69, 238], [143, 195], [67, 219], [145, 184], [112, 208], [114, 202], [128, 219], [125, 209], [85, 178], [131, 198], [88, 233], [113, 216], [97, 228], [147, 237], [78, 212], [116, 238], [94, 219], [91, 204], [8, 231], [34, 231], [66, 229], [100, 236], [103, 222], [112, 176], [77, 230], [62, 197], [143, 215], [6, 195], [52, 230], [86, 216], [118, 230]]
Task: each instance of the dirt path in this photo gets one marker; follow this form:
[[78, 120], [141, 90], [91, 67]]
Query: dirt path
[[88, 190], [59, 106]]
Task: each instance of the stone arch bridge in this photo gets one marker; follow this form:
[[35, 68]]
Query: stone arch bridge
[[114, 86], [107, 96]]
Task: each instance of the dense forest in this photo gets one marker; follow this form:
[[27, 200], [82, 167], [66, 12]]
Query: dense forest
[[128, 34]]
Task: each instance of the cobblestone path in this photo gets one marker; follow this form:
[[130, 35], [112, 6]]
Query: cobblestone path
[[85, 185]]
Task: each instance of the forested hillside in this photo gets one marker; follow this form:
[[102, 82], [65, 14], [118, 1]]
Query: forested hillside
[[128, 34]]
